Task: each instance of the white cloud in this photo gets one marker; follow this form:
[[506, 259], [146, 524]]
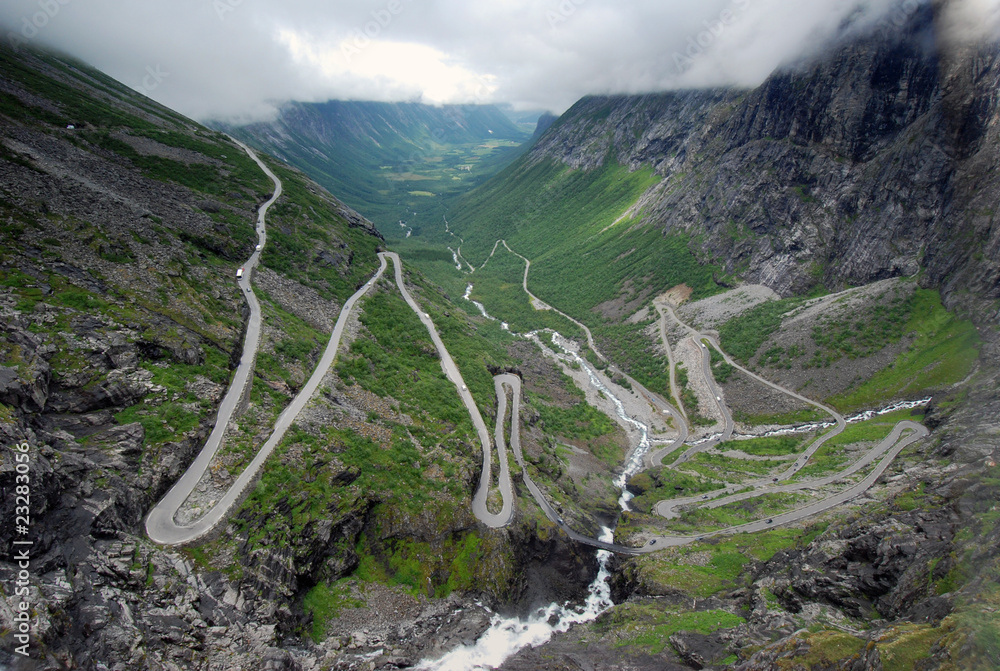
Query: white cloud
[[973, 19], [240, 58], [374, 69]]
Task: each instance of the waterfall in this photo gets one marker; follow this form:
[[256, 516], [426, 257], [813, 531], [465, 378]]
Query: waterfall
[[509, 635]]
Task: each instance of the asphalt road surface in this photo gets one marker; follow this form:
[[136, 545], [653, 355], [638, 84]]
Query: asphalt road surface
[[162, 527], [479, 507], [888, 448], [160, 523], [674, 391], [542, 305]]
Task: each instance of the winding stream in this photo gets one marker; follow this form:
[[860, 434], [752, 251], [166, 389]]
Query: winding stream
[[482, 308], [853, 419], [635, 462], [507, 636], [818, 426]]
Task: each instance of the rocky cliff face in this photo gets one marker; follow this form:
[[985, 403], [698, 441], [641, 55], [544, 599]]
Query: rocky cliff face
[[874, 161], [122, 225]]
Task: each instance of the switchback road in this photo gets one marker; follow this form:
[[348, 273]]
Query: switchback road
[[160, 523], [888, 448], [162, 527], [479, 507]]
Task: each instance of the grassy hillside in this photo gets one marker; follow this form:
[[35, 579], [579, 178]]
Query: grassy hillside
[[399, 164], [588, 257], [575, 227], [943, 352]]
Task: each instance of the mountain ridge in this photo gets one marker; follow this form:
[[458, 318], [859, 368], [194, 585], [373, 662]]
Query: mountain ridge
[[377, 155], [791, 184]]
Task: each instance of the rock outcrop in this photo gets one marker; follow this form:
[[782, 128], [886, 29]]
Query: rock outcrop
[[873, 161]]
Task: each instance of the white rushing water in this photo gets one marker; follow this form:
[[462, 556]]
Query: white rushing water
[[860, 417], [817, 426], [509, 635], [482, 308], [635, 462]]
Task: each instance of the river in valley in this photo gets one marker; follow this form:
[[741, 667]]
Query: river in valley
[[481, 307], [506, 636]]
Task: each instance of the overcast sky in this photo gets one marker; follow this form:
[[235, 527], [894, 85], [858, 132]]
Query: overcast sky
[[237, 59]]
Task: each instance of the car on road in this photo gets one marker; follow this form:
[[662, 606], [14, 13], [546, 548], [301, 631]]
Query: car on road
[[770, 521], [718, 398], [258, 248], [464, 388]]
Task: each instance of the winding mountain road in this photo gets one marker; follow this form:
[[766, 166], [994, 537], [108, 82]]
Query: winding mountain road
[[539, 304], [888, 449], [502, 384], [162, 528], [160, 523], [479, 507], [700, 339], [672, 369], [667, 508]]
